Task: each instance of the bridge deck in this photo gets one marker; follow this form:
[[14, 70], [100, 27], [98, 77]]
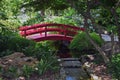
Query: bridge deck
[[42, 37]]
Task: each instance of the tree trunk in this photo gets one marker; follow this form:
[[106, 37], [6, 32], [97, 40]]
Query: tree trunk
[[86, 16], [106, 59], [97, 27], [112, 45], [113, 11]]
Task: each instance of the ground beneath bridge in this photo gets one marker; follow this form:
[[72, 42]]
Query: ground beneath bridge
[[70, 68]]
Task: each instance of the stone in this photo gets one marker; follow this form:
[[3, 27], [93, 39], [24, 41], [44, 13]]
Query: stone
[[17, 59], [72, 69]]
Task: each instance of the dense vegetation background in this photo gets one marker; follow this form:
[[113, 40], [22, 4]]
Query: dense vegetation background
[[96, 16]]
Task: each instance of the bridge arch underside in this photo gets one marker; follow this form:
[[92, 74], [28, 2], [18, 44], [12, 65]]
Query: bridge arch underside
[[39, 37], [51, 31]]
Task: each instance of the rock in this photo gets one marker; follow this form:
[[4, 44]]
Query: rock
[[107, 47], [94, 77], [17, 59], [21, 78], [72, 69]]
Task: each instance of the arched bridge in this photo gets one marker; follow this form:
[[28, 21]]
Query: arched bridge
[[49, 31]]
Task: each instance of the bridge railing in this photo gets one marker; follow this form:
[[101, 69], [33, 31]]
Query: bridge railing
[[47, 28]]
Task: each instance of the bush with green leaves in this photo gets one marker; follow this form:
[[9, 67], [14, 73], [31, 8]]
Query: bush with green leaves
[[10, 73], [12, 42], [47, 62], [81, 44], [27, 71], [45, 54], [114, 66], [39, 49], [1, 79], [16, 44]]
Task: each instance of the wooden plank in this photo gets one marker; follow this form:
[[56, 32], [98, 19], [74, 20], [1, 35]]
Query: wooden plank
[[23, 28], [42, 37]]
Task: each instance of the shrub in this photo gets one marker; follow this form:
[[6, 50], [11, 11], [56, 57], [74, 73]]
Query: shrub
[[18, 43], [11, 72], [114, 66], [5, 53], [47, 62], [38, 50], [82, 45], [27, 71], [13, 43]]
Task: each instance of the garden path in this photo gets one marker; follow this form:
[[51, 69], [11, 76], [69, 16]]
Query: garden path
[[71, 69]]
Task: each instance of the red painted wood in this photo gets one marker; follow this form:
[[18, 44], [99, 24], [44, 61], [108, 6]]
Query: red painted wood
[[35, 31], [40, 32], [50, 24], [42, 37]]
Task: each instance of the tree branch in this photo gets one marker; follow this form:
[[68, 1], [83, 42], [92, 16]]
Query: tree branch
[[85, 15], [117, 4]]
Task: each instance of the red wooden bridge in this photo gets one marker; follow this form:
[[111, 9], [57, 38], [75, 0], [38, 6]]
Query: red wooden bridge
[[49, 31]]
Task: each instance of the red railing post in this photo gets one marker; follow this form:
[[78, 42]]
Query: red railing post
[[25, 33], [45, 31], [65, 30]]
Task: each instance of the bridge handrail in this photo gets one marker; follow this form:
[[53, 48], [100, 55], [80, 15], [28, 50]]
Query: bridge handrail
[[30, 32], [63, 31], [50, 24]]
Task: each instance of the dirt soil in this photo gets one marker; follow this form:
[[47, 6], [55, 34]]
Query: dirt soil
[[96, 66], [97, 70]]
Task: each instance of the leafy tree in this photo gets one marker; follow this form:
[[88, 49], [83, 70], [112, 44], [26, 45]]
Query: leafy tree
[[81, 44], [67, 16], [97, 15], [45, 4], [9, 10]]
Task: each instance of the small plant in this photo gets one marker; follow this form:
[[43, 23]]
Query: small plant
[[48, 62], [11, 72], [27, 71], [1, 70], [1, 79], [114, 66], [5, 53], [42, 67]]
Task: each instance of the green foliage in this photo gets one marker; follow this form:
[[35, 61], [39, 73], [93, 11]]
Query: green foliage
[[118, 10], [5, 53], [1, 79], [9, 11], [38, 49], [48, 62], [27, 71], [96, 38], [44, 4], [82, 45], [10, 72], [10, 7], [13, 43], [114, 66], [42, 67], [109, 3], [18, 43], [46, 54], [67, 16], [4, 40], [35, 19]]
